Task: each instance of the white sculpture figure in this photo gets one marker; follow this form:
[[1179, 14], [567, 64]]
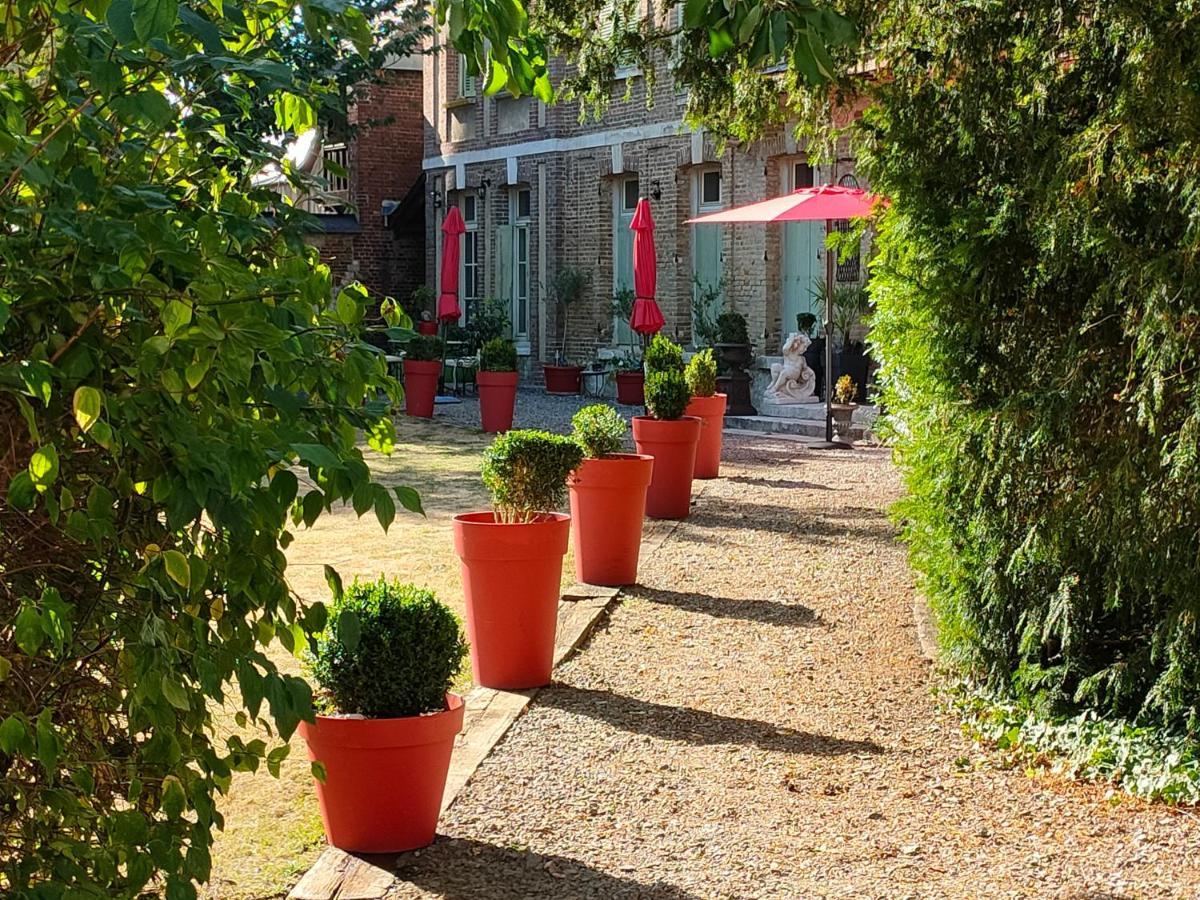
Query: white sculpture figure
[[793, 381]]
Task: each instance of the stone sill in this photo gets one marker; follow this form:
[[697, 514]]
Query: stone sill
[[459, 103]]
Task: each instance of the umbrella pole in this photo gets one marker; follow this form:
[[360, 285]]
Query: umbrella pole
[[829, 443]]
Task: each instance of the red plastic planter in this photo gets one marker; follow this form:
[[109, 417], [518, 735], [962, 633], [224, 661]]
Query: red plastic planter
[[497, 397], [711, 413], [511, 577], [562, 379], [631, 388], [420, 386], [384, 777], [608, 503], [672, 443], [427, 328]]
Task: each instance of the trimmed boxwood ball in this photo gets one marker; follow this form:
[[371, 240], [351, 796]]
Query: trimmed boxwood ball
[[732, 329], [701, 374], [424, 348], [498, 355], [599, 430], [667, 394], [390, 650], [663, 355], [526, 472]]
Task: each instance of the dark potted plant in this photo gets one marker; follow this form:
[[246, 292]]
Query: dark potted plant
[[843, 406], [709, 407], [806, 322], [608, 499], [420, 309], [497, 384], [630, 379], [384, 667], [564, 290], [512, 558], [734, 355], [422, 367], [667, 434]]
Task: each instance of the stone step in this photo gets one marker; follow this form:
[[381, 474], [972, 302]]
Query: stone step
[[785, 425]]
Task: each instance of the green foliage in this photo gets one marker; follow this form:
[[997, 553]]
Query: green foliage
[[526, 472], [806, 323], [421, 303], [732, 329], [599, 430], [1140, 760], [667, 394], [486, 321], [701, 374], [663, 355], [1037, 303], [498, 355], [564, 290], [621, 305], [424, 348], [708, 300], [845, 390], [171, 360], [388, 650]]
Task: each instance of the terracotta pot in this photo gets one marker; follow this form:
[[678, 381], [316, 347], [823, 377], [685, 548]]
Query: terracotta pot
[[631, 388], [384, 777], [511, 578], [427, 328], [562, 379], [672, 443], [608, 503], [497, 397], [711, 413], [420, 386]]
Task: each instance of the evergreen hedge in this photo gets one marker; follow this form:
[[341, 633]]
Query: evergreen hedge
[[1038, 312]]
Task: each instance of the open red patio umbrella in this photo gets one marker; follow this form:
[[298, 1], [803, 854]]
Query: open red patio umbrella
[[447, 305], [830, 202], [646, 318]]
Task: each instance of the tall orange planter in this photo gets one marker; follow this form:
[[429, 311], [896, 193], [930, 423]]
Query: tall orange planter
[[672, 443], [711, 413], [497, 398], [384, 777], [608, 503], [511, 578], [420, 386]]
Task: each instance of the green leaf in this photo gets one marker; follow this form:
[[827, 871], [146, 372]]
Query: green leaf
[[48, 744], [334, 580], [12, 735], [87, 405], [318, 771], [177, 567], [174, 798], [275, 757], [120, 19], [176, 316], [175, 693], [312, 506], [385, 507], [21, 492], [317, 455], [43, 467], [695, 12], [5, 668], [28, 632], [409, 499], [349, 629], [154, 18]]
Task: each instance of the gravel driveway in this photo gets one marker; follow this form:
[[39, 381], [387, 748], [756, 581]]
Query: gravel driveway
[[755, 721]]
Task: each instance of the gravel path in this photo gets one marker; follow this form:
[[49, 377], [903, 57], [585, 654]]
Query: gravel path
[[535, 409], [755, 721]]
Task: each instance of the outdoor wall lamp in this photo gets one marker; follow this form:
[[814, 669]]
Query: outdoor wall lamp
[[656, 189], [435, 197], [484, 184]]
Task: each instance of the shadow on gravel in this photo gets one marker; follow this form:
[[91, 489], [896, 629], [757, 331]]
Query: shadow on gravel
[[860, 525], [783, 483], [771, 612], [464, 869], [695, 726]]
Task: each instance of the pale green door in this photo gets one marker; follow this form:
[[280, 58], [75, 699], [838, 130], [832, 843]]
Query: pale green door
[[708, 243], [625, 198], [801, 262]]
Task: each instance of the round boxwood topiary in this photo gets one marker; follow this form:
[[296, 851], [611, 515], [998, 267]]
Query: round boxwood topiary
[[390, 650], [526, 472], [424, 348], [498, 355], [666, 394], [599, 430], [701, 374], [663, 355]]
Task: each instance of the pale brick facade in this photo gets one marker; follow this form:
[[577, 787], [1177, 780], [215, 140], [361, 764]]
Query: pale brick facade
[[489, 149]]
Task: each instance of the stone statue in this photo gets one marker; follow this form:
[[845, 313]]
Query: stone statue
[[793, 381]]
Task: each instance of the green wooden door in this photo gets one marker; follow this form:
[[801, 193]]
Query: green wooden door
[[801, 262]]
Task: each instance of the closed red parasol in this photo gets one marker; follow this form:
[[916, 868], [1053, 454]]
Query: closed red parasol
[[647, 318], [447, 305]]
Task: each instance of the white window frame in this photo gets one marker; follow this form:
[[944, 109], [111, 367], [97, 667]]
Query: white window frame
[[467, 88], [622, 217], [469, 265], [521, 234]]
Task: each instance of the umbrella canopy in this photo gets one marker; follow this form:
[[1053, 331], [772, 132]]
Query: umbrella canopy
[[447, 305], [647, 318], [825, 201]]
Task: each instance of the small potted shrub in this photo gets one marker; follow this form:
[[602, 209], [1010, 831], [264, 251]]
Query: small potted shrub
[[709, 407], [734, 355], [608, 499], [512, 558], [422, 368], [497, 384], [667, 434], [843, 406], [384, 667], [420, 308], [564, 290], [630, 379]]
